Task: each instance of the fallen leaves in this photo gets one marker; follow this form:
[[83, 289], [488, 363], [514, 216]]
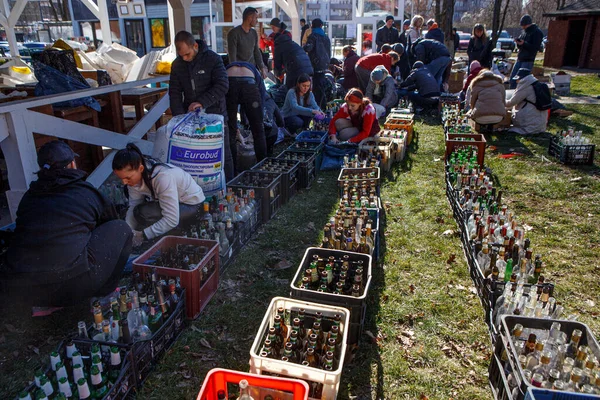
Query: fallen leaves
[[412, 288], [281, 265], [205, 343], [449, 232], [451, 259]]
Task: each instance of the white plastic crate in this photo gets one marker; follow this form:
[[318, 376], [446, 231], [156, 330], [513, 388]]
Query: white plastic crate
[[263, 365], [379, 144]]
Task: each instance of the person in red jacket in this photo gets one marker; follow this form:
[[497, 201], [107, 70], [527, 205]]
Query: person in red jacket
[[366, 64], [356, 120]]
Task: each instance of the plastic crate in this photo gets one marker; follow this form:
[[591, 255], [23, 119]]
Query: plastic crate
[[310, 147], [498, 380], [506, 346], [199, 288], [477, 140], [308, 165], [126, 382], [356, 305], [346, 176], [399, 139], [262, 365], [397, 122], [572, 154], [311, 136], [544, 394], [289, 171], [260, 386], [270, 194], [380, 145]]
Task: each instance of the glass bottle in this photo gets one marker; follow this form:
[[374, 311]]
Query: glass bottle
[[244, 391], [115, 364], [83, 389]]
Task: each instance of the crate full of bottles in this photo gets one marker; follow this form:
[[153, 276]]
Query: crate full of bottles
[[463, 140], [289, 171], [338, 278], [400, 122], [302, 340], [312, 136], [571, 148], [398, 137], [194, 262], [310, 147], [308, 165], [220, 383], [81, 369], [266, 186], [549, 394], [379, 148], [357, 176], [545, 353]]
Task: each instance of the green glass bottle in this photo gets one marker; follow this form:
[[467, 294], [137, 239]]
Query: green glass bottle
[[155, 320], [509, 270], [115, 364]]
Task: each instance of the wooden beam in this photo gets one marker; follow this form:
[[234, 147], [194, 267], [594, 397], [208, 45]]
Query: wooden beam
[[93, 7], [16, 12], [65, 129]]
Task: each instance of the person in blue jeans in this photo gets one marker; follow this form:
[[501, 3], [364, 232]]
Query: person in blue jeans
[[300, 106], [529, 43], [434, 55]]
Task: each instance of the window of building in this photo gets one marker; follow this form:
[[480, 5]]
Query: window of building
[[159, 32]]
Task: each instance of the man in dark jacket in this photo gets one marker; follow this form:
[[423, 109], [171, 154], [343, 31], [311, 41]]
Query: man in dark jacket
[[387, 34], [68, 244], [528, 44], [427, 88], [434, 55], [434, 32], [199, 80], [290, 57], [350, 59], [318, 47]]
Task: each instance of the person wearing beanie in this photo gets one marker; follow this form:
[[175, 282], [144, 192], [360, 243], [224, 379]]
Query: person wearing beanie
[[350, 59], [318, 48], [366, 64], [474, 69], [434, 32], [68, 244], [402, 68], [526, 118], [277, 27], [382, 91], [421, 87], [290, 58], [387, 34], [528, 43], [355, 121]]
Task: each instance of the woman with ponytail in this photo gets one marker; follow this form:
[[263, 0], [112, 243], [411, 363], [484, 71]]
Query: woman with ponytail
[[356, 120], [161, 196]]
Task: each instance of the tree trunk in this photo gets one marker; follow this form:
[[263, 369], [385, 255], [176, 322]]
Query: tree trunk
[[496, 21], [446, 24]]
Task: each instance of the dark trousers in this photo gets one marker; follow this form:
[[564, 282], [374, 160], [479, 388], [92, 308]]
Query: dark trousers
[[105, 257], [297, 122], [245, 92], [318, 87], [149, 213], [423, 101]]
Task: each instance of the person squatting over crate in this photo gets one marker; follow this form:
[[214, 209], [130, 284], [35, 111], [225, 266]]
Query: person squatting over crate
[[382, 90], [356, 119], [161, 196], [427, 89], [68, 244], [300, 106]]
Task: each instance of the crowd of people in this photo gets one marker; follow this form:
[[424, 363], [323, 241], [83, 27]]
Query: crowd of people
[[80, 248]]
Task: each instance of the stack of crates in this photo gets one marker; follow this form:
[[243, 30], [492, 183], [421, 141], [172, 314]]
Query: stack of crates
[[400, 120]]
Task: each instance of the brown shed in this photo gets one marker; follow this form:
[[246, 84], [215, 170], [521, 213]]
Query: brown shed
[[574, 36]]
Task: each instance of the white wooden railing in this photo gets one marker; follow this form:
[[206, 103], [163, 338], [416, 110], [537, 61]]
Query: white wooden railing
[[18, 122]]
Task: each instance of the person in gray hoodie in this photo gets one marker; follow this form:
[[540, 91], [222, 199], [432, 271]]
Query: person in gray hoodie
[[382, 91]]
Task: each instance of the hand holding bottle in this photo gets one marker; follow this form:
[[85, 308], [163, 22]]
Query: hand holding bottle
[[138, 238]]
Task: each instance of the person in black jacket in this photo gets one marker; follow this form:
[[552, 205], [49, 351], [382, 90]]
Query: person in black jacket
[[427, 88], [318, 47], [528, 43], [67, 245], [434, 55], [387, 34], [434, 32], [480, 48], [199, 80], [291, 59]]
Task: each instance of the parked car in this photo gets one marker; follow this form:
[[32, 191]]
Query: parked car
[[544, 44], [505, 40], [464, 40]]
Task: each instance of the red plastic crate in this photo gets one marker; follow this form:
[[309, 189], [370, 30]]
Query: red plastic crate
[[260, 385], [197, 292]]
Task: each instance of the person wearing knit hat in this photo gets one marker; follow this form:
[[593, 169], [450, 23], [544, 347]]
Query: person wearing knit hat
[[434, 32], [421, 87], [356, 119], [382, 91], [366, 64], [387, 34], [528, 43]]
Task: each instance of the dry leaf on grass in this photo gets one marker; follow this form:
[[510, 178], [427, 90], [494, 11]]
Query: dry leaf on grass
[[448, 232], [205, 343], [451, 259], [283, 264], [412, 288]]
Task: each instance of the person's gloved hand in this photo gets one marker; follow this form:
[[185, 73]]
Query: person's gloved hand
[[138, 238]]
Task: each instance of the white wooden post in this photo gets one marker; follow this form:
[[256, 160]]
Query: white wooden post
[[9, 20], [104, 22], [179, 16]]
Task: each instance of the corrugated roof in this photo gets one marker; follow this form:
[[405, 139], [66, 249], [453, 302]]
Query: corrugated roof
[[579, 7]]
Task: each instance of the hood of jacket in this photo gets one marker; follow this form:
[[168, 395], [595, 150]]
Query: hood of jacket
[[526, 81], [55, 180], [318, 31], [486, 79], [531, 28], [282, 38]]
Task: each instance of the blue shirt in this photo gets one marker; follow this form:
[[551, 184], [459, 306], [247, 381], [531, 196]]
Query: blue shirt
[[291, 106]]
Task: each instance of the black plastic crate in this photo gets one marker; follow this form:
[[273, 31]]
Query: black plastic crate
[[267, 188], [498, 380], [125, 384], [308, 167], [572, 154], [356, 305], [505, 346], [311, 147], [289, 170]]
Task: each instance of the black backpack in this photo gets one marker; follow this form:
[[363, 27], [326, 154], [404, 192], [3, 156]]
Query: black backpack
[[543, 99]]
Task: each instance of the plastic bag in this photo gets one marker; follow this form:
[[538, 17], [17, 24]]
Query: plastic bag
[[333, 155]]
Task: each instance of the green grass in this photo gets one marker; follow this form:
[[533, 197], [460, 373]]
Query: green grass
[[425, 334], [585, 85]]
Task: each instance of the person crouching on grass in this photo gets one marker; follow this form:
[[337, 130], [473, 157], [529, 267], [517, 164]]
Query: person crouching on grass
[[356, 119]]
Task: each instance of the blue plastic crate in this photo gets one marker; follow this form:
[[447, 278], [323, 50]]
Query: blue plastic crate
[[311, 136], [544, 394]]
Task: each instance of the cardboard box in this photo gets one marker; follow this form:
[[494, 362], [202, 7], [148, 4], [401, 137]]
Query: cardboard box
[[500, 126]]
